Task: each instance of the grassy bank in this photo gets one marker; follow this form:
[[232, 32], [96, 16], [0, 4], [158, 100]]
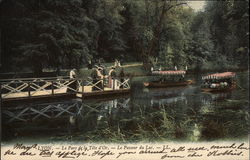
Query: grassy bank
[[136, 69], [130, 69]]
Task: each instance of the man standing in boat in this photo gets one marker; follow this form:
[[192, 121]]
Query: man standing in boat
[[72, 73], [72, 86], [104, 75], [112, 75], [122, 75], [97, 79], [94, 76], [100, 76]]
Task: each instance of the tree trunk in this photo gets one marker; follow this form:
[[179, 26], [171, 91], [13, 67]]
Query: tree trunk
[[156, 35], [38, 70]]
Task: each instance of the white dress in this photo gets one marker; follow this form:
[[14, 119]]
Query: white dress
[[72, 74]]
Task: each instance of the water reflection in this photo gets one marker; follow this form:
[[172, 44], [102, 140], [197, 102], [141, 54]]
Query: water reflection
[[196, 132], [32, 112], [178, 113]]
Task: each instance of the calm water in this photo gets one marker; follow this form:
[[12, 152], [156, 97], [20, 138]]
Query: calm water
[[170, 114]]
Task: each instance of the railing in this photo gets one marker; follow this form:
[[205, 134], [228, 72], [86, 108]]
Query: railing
[[105, 84], [30, 87], [14, 88]]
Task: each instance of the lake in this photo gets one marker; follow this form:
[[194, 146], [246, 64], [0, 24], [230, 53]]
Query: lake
[[145, 115]]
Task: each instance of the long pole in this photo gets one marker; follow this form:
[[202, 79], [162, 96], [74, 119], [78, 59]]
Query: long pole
[[52, 83], [29, 89], [0, 47]]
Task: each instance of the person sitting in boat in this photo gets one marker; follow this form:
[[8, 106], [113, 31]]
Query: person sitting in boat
[[223, 84], [214, 85], [152, 69], [163, 78], [229, 81], [160, 68], [205, 85], [182, 77]]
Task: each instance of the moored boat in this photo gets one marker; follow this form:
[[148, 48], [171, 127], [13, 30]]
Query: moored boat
[[167, 84], [168, 79], [219, 82]]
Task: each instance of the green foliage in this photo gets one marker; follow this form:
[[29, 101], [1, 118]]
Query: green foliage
[[61, 34], [229, 26], [66, 34]]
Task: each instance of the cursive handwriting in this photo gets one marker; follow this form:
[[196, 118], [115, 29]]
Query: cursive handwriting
[[156, 151]]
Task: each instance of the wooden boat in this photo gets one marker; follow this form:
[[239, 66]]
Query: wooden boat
[[161, 84], [218, 89], [219, 78], [107, 93], [167, 84]]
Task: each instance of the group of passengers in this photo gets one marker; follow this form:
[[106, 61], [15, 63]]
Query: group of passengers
[[102, 78], [216, 83]]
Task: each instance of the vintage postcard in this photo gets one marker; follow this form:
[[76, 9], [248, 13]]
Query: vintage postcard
[[124, 79]]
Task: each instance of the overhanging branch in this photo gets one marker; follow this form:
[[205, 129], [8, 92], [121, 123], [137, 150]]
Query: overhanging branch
[[172, 6]]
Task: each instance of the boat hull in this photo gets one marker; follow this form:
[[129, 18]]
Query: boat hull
[[218, 89], [162, 85]]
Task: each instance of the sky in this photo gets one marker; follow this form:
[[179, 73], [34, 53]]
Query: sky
[[196, 5]]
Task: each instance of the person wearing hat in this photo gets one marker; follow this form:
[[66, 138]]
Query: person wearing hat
[[72, 86], [112, 75], [72, 73], [100, 76]]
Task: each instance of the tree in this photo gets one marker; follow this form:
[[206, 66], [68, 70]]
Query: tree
[[65, 34], [229, 26]]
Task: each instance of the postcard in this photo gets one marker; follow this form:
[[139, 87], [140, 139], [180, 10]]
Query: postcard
[[124, 80]]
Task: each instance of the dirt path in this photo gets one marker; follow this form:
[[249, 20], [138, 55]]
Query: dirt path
[[129, 65]]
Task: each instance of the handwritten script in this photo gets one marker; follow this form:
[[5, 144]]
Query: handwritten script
[[125, 151]]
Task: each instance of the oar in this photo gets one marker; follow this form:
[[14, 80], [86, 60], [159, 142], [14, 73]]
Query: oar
[[240, 87]]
